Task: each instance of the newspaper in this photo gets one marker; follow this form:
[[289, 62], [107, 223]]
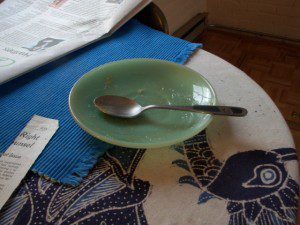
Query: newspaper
[[19, 157], [34, 32]]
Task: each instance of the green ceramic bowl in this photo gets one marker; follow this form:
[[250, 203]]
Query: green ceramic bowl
[[148, 82]]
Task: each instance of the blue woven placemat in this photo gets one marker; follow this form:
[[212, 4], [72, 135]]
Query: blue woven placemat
[[71, 153]]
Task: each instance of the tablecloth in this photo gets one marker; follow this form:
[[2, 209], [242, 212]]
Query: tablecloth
[[240, 171]]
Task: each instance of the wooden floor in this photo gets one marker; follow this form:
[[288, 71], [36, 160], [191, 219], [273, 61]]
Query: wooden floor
[[274, 65]]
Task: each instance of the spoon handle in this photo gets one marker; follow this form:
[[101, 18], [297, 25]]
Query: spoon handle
[[215, 110]]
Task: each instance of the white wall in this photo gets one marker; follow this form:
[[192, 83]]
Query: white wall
[[277, 17], [178, 12]]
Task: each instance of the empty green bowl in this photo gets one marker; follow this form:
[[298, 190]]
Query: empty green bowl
[[148, 82]]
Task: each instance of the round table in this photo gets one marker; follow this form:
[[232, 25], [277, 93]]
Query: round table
[[238, 171], [176, 198], [263, 128]]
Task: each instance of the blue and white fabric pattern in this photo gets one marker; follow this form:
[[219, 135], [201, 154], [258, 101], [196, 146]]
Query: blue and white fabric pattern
[[255, 184], [135, 186], [109, 195]]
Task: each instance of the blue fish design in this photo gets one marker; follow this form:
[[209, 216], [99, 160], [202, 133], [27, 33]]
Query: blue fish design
[[255, 184]]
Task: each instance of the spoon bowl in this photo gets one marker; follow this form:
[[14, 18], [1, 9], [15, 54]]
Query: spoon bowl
[[118, 106]]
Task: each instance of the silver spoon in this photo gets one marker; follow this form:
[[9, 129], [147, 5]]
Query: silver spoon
[[128, 108]]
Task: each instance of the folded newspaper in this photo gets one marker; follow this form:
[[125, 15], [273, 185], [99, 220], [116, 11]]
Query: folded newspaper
[[34, 32]]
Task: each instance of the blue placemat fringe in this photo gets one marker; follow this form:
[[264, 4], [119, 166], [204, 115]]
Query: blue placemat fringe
[[186, 53]]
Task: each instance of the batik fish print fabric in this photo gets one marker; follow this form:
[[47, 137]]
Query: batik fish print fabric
[[109, 195], [255, 184], [183, 184]]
